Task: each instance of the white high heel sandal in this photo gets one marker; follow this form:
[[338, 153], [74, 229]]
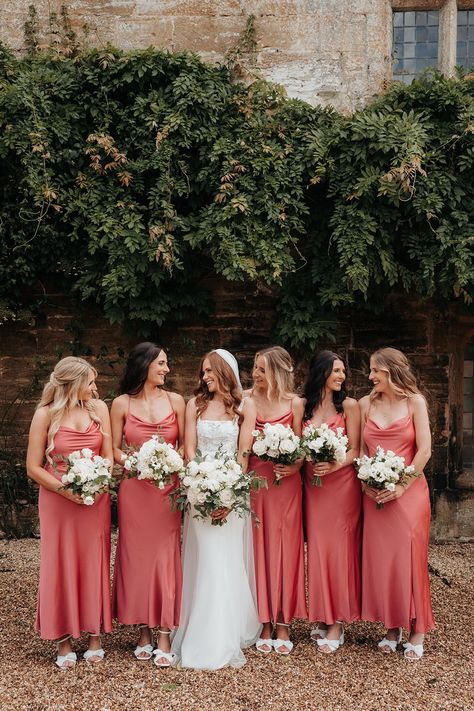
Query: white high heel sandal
[[416, 648], [61, 659], [333, 644], [90, 653], [285, 643], [391, 643], [145, 649], [317, 633], [170, 657]]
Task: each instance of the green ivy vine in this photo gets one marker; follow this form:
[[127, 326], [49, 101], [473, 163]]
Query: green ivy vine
[[129, 177]]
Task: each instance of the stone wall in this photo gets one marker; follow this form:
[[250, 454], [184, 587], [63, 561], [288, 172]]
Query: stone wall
[[243, 323], [323, 51]]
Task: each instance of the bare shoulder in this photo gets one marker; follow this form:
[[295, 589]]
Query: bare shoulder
[[350, 404], [418, 403], [191, 406], [177, 400], [101, 408], [247, 393], [364, 403], [42, 417], [249, 408], [297, 404], [120, 404]]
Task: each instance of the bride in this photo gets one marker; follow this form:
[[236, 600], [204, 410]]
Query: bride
[[218, 612]]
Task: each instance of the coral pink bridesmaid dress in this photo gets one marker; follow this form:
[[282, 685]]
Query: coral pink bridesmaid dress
[[333, 531], [278, 541], [395, 582], [147, 579], [74, 587]]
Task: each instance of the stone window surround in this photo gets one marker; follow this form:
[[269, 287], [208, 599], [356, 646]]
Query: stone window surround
[[447, 25]]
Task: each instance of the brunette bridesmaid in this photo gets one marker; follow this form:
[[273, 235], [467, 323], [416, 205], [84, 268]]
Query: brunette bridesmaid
[[278, 535], [147, 578], [395, 582], [74, 589], [332, 510]]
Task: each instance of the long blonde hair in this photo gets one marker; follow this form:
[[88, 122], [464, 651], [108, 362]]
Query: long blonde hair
[[400, 375], [226, 383], [61, 394], [279, 371]]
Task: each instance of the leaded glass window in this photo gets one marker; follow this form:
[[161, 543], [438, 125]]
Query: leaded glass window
[[468, 410], [465, 39], [415, 43]]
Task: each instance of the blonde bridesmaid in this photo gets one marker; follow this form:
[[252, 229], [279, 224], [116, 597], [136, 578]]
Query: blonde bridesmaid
[[147, 578], [278, 537], [333, 510], [74, 590], [395, 582]]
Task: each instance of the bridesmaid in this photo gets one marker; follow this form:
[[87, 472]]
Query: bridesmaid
[[278, 537], [395, 583], [333, 510], [147, 578], [74, 588]]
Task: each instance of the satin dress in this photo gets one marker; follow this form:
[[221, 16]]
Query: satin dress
[[333, 529], [278, 540], [395, 582], [74, 585], [147, 578]]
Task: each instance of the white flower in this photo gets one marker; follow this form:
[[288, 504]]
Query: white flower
[[86, 452], [390, 486], [74, 455], [227, 497], [287, 446], [259, 447], [89, 500]]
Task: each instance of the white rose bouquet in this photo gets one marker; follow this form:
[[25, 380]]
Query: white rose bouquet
[[87, 474], [322, 444], [277, 444], [384, 470], [212, 483], [155, 461]]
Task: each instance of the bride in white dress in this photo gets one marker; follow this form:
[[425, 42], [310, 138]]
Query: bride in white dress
[[218, 613]]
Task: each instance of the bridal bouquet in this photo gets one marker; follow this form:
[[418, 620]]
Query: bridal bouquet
[[156, 461], [277, 444], [211, 483], [322, 444], [384, 470], [87, 474]]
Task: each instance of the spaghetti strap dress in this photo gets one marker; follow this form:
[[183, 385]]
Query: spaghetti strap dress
[[74, 585], [395, 582], [333, 530], [147, 576], [278, 540]]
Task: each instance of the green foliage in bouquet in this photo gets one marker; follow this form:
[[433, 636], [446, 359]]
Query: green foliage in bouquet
[[128, 177]]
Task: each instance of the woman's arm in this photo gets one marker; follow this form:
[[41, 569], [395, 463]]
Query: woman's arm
[[190, 435], [179, 407], [106, 449], [37, 443], [364, 404], [249, 415], [118, 413]]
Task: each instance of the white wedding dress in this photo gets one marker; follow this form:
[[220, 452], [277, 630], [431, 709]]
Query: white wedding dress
[[218, 610]]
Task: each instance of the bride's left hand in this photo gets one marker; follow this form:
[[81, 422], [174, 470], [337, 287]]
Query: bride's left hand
[[220, 514]]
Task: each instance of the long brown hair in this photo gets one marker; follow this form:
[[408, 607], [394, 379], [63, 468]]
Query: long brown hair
[[61, 393], [226, 384], [400, 375]]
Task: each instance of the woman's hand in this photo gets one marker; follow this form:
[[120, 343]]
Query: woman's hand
[[323, 468], [75, 498], [283, 470], [384, 496], [220, 514]]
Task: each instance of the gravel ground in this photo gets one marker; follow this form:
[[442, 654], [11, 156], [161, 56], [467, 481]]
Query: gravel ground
[[358, 677]]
